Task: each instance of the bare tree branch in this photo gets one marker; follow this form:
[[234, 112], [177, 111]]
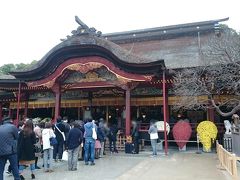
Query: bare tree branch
[[225, 114], [219, 75]]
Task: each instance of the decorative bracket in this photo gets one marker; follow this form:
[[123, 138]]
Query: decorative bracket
[[129, 85], [83, 29]]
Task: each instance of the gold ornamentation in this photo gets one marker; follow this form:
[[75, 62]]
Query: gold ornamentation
[[49, 84], [84, 68], [92, 77], [148, 77]]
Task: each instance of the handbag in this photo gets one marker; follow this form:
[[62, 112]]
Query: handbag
[[154, 136], [53, 140], [94, 134], [38, 149], [65, 156]]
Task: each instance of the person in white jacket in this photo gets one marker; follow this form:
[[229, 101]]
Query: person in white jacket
[[47, 133]]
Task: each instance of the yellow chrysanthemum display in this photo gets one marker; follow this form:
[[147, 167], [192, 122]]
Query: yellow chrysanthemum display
[[207, 131]]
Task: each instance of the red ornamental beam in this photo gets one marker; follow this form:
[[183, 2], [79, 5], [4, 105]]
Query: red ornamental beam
[[57, 90], [88, 85], [165, 113], [128, 112], [18, 102], [84, 65]]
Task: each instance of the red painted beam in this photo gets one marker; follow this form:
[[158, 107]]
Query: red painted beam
[[10, 113], [26, 109], [86, 64], [165, 113], [166, 101], [57, 90], [18, 103], [210, 113], [128, 112], [85, 85]]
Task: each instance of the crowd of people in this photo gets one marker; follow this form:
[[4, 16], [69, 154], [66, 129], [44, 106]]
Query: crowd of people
[[24, 144]]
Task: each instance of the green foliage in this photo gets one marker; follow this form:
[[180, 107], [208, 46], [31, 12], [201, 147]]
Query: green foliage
[[6, 68], [20, 66]]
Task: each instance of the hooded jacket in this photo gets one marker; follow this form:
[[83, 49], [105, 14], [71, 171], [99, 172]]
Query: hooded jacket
[[8, 139], [88, 130]]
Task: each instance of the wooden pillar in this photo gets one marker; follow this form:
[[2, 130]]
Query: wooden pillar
[[167, 106], [26, 109], [138, 111], [79, 113], [9, 112], [1, 112], [52, 112], [18, 102], [107, 114], [128, 112], [210, 114], [165, 116], [210, 110], [57, 90]]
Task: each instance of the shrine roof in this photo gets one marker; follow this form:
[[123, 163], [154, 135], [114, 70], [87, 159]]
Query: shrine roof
[[6, 76], [164, 32], [86, 42]]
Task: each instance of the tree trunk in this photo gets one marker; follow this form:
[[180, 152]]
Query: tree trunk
[[225, 114]]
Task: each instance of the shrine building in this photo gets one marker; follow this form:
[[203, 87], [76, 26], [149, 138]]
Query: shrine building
[[117, 76]]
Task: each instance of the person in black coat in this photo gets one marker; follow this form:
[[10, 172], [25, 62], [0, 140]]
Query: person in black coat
[[81, 149], [100, 134], [8, 147], [26, 148], [59, 131], [74, 141], [135, 137], [113, 130]]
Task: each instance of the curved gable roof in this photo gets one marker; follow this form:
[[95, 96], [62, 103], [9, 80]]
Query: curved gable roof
[[88, 42]]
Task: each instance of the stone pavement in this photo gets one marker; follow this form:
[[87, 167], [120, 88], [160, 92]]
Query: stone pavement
[[176, 166]]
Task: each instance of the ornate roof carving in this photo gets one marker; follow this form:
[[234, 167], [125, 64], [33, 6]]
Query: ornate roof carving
[[83, 29]]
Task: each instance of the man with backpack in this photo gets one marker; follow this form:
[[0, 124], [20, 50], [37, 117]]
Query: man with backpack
[[8, 148]]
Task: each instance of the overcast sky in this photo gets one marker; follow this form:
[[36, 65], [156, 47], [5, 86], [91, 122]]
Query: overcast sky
[[30, 28]]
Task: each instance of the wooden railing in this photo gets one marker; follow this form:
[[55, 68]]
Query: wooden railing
[[120, 144], [228, 161], [220, 126]]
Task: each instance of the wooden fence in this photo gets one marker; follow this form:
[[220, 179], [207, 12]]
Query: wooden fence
[[228, 161]]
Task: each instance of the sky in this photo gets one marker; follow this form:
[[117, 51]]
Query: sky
[[30, 28]]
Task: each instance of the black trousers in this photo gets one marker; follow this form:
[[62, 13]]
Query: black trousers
[[136, 144]]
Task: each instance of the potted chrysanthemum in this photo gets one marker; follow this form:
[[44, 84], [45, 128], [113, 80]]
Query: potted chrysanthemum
[[207, 132]]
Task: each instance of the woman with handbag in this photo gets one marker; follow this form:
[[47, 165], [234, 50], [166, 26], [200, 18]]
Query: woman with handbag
[[48, 139], [26, 149], [38, 146], [153, 131]]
